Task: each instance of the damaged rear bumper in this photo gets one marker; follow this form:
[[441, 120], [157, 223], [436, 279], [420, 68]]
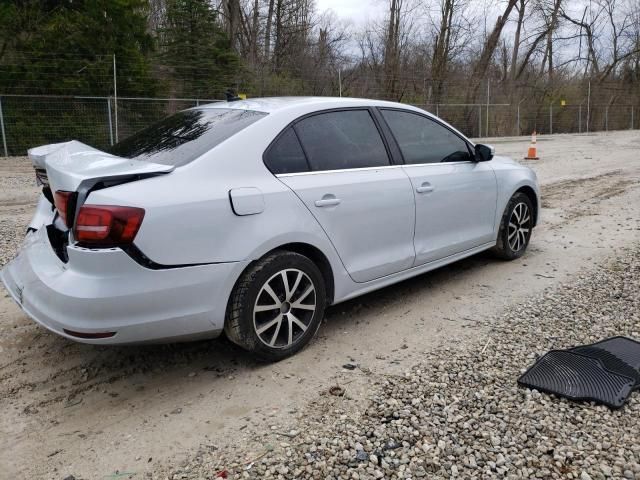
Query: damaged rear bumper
[[106, 292]]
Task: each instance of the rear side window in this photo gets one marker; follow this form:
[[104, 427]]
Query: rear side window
[[421, 140], [340, 140], [285, 155], [183, 137]]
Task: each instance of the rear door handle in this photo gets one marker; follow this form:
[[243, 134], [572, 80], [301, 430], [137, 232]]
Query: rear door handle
[[328, 201], [426, 187]]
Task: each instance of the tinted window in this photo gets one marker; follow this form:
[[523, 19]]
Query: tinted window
[[422, 140], [285, 155], [183, 137], [339, 140]]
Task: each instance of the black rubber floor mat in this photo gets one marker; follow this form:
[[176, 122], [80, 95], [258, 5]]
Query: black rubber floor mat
[[611, 362], [626, 349], [578, 377]]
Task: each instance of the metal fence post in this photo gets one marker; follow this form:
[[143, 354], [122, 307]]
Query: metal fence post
[[518, 126], [580, 118], [110, 123], [488, 97], [589, 106], [550, 118], [631, 117], [115, 95], [479, 120], [4, 137], [340, 82], [437, 110]]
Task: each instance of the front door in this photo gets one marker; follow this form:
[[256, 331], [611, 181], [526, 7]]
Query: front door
[[455, 196]]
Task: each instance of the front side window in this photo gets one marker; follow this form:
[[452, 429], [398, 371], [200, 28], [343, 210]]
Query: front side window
[[422, 140], [342, 140], [285, 155], [183, 137]]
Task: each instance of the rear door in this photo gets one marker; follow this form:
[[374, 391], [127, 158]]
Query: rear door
[[455, 196], [338, 165]]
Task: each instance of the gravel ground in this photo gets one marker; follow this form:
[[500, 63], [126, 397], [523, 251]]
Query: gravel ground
[[17, 190], [192, 410], [460, 414]]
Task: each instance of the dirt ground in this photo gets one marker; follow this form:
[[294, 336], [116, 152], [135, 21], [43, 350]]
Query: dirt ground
[[96, 412]]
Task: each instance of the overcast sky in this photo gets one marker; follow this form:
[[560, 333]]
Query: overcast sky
[[358, 11]]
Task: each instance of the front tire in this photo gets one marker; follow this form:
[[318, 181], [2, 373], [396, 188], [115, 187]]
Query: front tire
[[515, 228], [277, 306]]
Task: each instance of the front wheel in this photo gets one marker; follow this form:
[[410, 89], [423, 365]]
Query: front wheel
[[515, 228], [277, 306]]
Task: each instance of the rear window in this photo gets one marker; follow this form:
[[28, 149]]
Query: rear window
[[183, 137], [341, 140]]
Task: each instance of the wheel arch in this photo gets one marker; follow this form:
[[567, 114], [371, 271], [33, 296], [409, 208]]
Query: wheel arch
[[531, 194], [320, 259], [310, 251]]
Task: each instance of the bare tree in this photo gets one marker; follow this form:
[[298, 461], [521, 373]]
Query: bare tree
[[605, 26], [550, 16], [488, 49], [452, 30], [392, 47], [521, 7], [231, 11], [267, 32]]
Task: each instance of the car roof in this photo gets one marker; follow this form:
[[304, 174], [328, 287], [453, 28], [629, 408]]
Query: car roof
[[291, 108], [276, 104]]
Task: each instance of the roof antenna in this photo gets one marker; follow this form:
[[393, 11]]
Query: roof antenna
[[231, 95]]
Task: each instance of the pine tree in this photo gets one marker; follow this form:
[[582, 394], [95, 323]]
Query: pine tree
[[196, 50], [67, 46]]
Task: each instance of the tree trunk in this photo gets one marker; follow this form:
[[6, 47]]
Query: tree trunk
[[277, 46], [267, 33], [516, 41], [442, 48], [391, 49], [552, 27], [254, 32], [481, 67], [232, 12]]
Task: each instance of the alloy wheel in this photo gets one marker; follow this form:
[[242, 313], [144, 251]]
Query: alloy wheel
[[284, 308], [519, 227]]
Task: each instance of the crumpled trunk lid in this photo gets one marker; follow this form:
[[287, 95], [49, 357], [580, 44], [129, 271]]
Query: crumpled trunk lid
[[76, 167]]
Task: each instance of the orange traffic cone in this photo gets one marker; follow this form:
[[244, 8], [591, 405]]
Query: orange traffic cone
[[532, 154]]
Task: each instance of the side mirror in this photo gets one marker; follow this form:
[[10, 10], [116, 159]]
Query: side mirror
[[484, 153]]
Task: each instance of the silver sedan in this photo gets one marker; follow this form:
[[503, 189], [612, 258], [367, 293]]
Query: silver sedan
[[251, 217]]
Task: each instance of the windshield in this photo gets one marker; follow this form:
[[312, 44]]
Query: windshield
[[183, 137]]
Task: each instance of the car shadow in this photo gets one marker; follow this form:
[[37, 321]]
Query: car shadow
[[82, 368]]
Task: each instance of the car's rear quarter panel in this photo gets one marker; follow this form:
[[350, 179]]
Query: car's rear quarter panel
[[189, 218]]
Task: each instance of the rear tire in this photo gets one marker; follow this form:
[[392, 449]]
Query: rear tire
[[515, 228], [277, 306]]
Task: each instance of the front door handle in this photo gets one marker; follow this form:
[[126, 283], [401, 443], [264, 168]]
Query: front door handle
[[328, 201], [426, 187]]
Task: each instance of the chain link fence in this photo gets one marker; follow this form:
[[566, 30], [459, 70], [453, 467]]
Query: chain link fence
[[65, 96], [31, 120]]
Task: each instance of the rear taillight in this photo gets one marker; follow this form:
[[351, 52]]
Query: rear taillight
[[65, 204], [107, 225]]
